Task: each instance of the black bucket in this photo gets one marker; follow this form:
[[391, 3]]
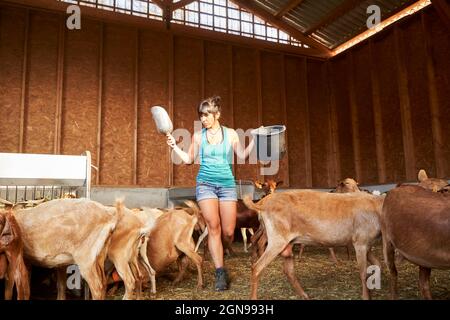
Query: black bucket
[[270, 142]]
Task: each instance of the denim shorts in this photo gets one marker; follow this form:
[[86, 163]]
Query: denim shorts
[[206, 190]]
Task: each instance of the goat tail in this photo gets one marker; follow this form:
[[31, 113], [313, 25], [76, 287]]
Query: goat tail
[[191, 204], [119, 205], [251, 205], [200, 239]]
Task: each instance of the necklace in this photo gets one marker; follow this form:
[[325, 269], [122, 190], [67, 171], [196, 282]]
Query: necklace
[[213, 134]]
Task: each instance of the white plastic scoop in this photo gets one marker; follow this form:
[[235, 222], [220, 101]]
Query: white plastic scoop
[[162, 119]]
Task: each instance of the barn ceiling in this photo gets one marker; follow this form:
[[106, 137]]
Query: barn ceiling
[[329, 22], [322, 25]]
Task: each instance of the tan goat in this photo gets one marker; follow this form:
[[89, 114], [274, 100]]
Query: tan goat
[[62, 232], [319, 219], [171, 241]]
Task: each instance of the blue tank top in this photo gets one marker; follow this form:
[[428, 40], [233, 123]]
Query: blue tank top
[[216, 161]]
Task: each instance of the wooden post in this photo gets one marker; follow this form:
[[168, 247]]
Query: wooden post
[[405, 111], [334, 127], [308, 164], [59, 86], [378, 122], [24, 81], [202, 70], [99, 103], [284, 103], [136, 104], [230, 94], [259, 100], [171, 97], [434, 105], [354, 118]]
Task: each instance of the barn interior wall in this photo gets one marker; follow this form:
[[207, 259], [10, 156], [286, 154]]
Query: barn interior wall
[[391, 98], [377, 112]]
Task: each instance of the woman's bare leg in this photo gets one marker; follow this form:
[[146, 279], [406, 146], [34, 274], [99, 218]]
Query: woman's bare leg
[[210, 211]]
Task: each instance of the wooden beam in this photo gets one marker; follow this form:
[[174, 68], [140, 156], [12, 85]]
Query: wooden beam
[[340, 10], [285, 116], [202, 69], [378, 122], [136, 104], [433, 98], [24, 81], [256, 10], [288, 7], [99, 103], [308, 162], [354, 118], [334, 126], [410, 10], [181, 4], [59, 86], [443, 9], [405, 109], [259, 101], [230, 94], [199, 33], [171, 98]]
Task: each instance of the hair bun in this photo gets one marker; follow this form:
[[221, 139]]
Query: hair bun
[[216, 100]]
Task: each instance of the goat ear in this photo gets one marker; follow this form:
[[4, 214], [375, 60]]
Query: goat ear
[[279, 182], [258, 184], [422, 175]]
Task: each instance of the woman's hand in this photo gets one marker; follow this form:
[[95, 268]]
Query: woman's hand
[[171, 140]]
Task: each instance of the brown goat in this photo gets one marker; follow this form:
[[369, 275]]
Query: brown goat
[[12, 265], [416, 223], [316, 218], [247, 219]]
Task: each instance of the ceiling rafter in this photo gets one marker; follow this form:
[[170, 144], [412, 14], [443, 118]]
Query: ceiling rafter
[[340, 10], [288, 7], [181, 4], [258, 11]]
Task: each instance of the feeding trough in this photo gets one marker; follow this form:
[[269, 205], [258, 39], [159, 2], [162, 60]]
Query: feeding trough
[[270, 142]]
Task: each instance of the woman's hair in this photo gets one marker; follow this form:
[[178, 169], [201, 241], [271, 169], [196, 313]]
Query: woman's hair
[[209, 105]]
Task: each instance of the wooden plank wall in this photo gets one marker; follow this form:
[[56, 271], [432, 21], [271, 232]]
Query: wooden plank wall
[[378, 112], [390, 96]]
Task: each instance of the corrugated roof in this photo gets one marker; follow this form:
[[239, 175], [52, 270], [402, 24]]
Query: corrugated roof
[[339, 28]]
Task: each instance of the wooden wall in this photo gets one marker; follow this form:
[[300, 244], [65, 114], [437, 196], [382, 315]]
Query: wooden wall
[[378, 112], [391, 99]]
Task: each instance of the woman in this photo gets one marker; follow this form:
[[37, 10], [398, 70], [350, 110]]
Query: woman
[[216, 188]]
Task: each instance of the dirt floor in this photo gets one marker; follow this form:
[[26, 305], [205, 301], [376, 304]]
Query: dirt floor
[[319, 276]]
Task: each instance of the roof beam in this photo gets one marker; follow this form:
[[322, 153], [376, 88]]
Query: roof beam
[[288, 7], [343, 8], [263, 14], [443, 9], [181, 4], [410, 10]]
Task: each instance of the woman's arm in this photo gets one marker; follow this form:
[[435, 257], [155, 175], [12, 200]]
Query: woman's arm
[[237, 147], [187, 157]]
